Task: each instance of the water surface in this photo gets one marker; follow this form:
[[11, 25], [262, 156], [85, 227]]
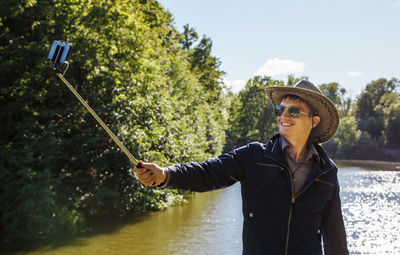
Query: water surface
[[211, 223]]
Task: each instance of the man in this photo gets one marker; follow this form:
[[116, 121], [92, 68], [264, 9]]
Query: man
[[290, 190]]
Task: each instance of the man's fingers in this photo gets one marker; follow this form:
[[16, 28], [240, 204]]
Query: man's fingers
[[149, 174], [150, 166], [145, 174], [149, 181], [139, 170]]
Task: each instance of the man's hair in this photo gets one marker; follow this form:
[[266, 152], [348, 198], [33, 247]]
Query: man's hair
[[295, 97]]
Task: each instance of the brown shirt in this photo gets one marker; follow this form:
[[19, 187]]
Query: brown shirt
[[301, 168]]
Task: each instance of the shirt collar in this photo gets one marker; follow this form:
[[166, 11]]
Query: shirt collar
[[312, 152]]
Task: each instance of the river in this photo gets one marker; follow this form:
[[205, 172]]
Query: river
[[211, 223]]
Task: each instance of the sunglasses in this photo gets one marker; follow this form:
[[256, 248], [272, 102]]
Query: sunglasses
[[293, 111]]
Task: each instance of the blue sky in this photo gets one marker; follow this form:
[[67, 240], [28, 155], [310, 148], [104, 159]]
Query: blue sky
[[352, 42]]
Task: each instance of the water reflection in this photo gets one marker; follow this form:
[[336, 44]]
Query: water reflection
[[211, 223], [371, 210]]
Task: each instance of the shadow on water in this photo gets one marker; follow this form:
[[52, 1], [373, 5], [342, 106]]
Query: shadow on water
[[102, 225], [211, 219]]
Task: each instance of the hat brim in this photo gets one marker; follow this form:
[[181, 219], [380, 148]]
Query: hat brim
[[329, 116]]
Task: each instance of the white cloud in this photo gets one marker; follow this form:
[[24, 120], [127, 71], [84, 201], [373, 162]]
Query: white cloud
[[235, 86], [354, 73], [276, 66], [396, 4]]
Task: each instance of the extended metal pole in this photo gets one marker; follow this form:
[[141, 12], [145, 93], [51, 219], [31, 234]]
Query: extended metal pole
[[109, 132]]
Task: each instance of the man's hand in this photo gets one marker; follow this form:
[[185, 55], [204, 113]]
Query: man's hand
[[151, 174]]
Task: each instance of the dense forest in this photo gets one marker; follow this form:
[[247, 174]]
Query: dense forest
[[158, 89]]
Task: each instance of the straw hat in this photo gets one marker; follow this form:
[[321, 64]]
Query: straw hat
[[327, 111]]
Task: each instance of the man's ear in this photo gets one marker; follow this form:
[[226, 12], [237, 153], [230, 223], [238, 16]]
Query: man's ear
[[316, 120]]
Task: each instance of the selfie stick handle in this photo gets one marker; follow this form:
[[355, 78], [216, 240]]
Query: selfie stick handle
[[110, 133]]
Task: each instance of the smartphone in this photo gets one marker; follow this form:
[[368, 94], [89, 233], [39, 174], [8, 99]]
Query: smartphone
[[59, 52]]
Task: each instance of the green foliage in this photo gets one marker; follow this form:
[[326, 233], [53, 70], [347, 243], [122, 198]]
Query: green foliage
[[204, 64], [373, 126], [338, 96], [190, 36], [371, 103], [366, 147], [344, 141], [346, 135], [162, 100], [392, 132], [330, 90], [29, 205]]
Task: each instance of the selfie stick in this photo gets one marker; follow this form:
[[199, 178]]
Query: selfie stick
[[58, 55], [109, 132]]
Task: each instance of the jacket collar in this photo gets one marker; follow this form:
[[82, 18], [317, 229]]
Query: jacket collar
[[273, 149]]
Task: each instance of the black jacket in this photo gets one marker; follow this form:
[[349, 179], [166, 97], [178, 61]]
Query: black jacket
[[275, 220]]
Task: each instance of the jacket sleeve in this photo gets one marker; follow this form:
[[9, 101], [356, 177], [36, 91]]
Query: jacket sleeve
[[333, 231], [214, 173]]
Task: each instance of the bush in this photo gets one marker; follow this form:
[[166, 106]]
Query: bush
[[58, 167], [30, 207]]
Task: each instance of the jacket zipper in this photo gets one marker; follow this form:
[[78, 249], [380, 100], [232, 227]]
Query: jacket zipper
[[291, 204], [278, 164], [270, 165], [318, 180], [295, 196], [290, 213]]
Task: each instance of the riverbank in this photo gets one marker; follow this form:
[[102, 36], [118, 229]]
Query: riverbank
[[370, 154], [369, 164]]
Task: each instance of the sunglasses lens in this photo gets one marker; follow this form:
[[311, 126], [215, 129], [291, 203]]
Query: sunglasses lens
[[294, 111]]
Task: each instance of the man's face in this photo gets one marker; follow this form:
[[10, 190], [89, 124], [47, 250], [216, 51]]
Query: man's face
[[291, 127]]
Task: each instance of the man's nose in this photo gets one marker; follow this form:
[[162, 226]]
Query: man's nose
[[286, 114]]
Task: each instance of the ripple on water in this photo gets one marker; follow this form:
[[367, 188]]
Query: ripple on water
[[212, 222], [371, 210]]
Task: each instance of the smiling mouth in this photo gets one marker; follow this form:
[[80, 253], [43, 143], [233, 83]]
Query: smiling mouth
[[286, 124]]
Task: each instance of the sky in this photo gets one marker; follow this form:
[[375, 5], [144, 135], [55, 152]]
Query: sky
[[351, 42]]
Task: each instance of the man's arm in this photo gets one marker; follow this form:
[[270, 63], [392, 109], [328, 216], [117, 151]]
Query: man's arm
[[211, 174], [333, 230], [214, 173]]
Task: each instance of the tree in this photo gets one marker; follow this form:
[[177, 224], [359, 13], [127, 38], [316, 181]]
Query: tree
[[369, 117], [331, 91], [392, 131], [189, 37], [338, 96], [207, 66], [127, 61], [346, 137]]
